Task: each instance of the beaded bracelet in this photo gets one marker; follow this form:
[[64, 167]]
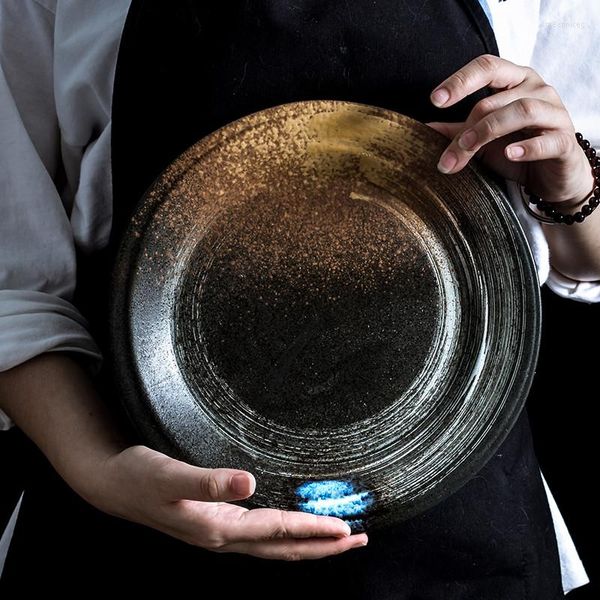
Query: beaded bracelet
[[552, 215]]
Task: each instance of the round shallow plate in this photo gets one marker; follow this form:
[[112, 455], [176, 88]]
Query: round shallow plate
[[302, 294]]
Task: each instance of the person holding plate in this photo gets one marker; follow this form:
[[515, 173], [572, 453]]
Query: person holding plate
[[96, 100]]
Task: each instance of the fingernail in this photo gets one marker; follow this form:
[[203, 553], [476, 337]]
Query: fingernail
[[447, 162], [467, 139], [515, 151], [440, 97], [346, 530], [239, 484]]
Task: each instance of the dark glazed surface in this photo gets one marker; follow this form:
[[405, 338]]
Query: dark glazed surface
[[302, 294], [317, 311]]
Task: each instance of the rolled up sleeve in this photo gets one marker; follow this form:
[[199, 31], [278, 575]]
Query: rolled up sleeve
[[37, 246]]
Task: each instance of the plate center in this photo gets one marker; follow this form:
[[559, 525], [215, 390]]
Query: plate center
[[316, 312]]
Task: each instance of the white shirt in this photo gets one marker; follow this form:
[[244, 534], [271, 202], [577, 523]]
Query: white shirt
[[57, 65]]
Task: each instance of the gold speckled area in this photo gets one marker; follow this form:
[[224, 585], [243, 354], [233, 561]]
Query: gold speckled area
[[305, 296]]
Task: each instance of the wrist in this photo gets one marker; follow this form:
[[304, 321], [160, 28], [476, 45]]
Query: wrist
[[587, 189], [104, 481], [53, 400], [578, 207], [85, 466]]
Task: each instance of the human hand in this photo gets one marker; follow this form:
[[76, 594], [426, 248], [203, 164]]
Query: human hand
[[52, 398], [525, 113], [190, 503]]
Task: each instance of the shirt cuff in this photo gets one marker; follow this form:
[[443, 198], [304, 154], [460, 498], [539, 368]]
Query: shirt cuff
[[582, 291], [33, 322]]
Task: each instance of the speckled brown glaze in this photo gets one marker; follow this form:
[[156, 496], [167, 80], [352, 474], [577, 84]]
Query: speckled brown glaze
[[302, 294]]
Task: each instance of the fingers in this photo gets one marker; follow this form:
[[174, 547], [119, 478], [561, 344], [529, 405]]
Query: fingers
[[526, 101], [269, 524], [231, 528], [178, 480], [190, 503], [516, 116], [489, 104], [295, 549], [229, 523], [541, 147], [484, 70]]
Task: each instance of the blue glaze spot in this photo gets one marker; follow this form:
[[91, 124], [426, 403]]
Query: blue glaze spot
[[356, 525], [335, 498], [332, 488]]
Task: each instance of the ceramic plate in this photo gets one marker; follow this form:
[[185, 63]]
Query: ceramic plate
[[302, 294]]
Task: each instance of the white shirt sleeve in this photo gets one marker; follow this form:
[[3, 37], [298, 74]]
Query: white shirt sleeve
[[37, 247], [554, 38], [566, 33]]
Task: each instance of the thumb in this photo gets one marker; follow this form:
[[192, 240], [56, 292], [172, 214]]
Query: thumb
[[186, 482], [447, 129]]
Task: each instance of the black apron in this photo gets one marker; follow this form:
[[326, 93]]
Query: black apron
[[186, 68]]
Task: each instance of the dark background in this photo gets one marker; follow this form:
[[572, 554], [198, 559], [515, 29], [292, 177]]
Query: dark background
[[560, 410], [561, 404]]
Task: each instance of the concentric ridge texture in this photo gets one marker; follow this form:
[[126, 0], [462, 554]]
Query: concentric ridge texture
[[302, 294]]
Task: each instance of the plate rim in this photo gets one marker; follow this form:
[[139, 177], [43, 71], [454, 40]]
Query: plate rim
[[128, 380]]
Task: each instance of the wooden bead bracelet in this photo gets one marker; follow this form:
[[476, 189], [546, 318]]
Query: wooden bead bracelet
[[550, 213]]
